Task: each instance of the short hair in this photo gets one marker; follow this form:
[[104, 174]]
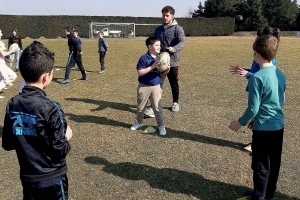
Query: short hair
[[75, 30], [169, 9], [266, 46], [267, 30], [151, 40], [100, 33], [35, 60], [68, 29]]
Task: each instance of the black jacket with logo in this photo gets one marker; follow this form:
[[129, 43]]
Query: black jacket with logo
[[35, 127], [74, 45]]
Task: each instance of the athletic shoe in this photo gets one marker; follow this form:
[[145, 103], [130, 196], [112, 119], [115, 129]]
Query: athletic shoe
[[149, 113], [73, 68], [250, 192], [101, 72], [6, 88], [135, 126], [1, 97], [84, 79], [65, 81], [162, 130], [175, 107], [248, 147], [16, 70]]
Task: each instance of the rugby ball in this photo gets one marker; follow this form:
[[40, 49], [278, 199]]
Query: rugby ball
[[14, 47], [164, 59]]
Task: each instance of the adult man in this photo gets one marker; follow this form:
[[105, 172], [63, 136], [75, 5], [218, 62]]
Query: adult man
[[172, 38], [74, 56]]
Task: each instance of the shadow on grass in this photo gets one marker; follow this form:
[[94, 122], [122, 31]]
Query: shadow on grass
[[76, 69], [174, 181], [170, 132], [106, 104]]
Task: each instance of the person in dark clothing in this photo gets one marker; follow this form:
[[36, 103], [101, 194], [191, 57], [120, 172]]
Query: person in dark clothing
[[102, 50], [35, 127], [15, 38], [74, 56]]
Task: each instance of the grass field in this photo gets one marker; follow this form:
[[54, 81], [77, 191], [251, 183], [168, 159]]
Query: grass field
[[199, 158]]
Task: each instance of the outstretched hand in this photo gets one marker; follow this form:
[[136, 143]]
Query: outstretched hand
[[238, 70]]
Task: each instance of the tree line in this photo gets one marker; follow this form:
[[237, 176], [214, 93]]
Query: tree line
[[250, 15]]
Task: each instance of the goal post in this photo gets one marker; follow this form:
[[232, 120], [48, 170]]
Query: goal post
[[116, 30]]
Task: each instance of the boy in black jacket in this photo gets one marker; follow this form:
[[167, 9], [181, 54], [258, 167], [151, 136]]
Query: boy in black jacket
[[74, 56], [35, 127]]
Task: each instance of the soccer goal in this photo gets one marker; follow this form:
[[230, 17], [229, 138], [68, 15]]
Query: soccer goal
[[115, 30]]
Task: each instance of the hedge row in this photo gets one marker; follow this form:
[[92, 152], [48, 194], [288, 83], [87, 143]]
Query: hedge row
[[53, 26]]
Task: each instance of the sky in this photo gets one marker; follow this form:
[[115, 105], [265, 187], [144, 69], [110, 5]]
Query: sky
[[135, 8]]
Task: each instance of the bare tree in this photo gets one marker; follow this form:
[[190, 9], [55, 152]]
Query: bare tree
[[189, 13]]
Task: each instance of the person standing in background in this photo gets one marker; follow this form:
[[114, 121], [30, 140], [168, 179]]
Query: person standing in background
[[102, 50], [15, 38]]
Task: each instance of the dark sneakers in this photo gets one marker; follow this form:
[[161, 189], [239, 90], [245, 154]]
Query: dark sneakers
[[84, 79]]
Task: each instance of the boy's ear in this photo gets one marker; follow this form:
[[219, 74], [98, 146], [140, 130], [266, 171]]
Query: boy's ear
[[45, 77]]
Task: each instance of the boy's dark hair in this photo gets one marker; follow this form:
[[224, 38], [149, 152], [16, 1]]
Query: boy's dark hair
[[168, 9], [266, 46], [151, 40], [36, 60], [75, 30], [68, 29], [269, 31]]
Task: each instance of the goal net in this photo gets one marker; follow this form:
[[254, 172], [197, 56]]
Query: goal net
[[116, 30]]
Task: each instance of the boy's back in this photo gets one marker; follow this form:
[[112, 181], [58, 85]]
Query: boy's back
[[35, 128], [266, 94]]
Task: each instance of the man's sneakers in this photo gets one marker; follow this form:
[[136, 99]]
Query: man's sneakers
[[175, 107], [135, 126], [65, 81], [149, 113], [162, 130], [101, 72]]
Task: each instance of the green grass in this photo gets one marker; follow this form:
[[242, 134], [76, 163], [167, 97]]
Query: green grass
[[199, 158]]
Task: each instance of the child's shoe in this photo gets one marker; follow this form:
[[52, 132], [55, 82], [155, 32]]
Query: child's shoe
[[162, 130], [135, 126]]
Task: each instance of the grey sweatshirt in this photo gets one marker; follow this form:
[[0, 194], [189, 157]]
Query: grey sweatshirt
[[171, 36]]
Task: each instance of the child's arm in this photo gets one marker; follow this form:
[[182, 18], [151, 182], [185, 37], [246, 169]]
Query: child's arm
[[7, 135], [60, 133], [106, 46], [254, 99], [5, 53], [143, 71]]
